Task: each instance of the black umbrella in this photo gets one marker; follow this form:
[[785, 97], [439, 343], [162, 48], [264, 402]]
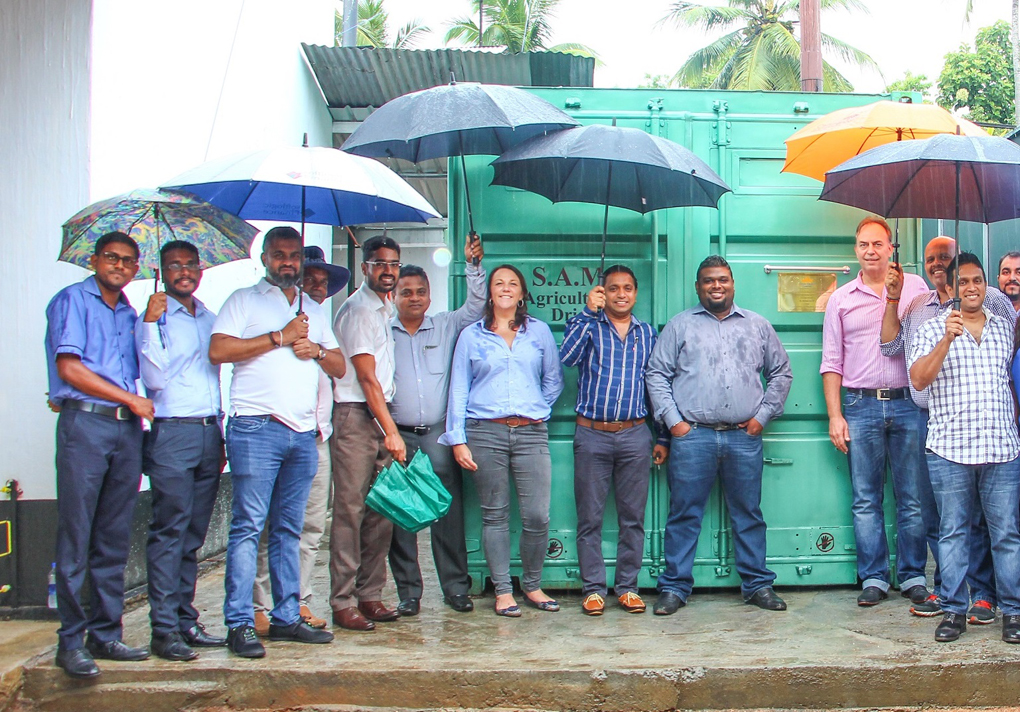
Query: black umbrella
[[455, 120], [610, 165], [973, 178]]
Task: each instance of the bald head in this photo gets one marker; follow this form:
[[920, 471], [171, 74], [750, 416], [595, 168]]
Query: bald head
[[937, 256]]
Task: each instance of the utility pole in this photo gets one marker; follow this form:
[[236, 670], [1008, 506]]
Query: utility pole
[[349, 36], [481, 16], [810, 46]]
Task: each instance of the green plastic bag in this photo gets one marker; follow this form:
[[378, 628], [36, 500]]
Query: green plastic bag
[[411, 497]]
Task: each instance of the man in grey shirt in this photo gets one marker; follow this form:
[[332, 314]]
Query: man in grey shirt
[[423, 349], [897, 339], [704, 381]]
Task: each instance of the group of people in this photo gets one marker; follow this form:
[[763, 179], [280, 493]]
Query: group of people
[[316, 409]]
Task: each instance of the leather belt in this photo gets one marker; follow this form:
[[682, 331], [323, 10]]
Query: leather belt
[[416, 429], [716, 426], [883, 394], [120, 412], [515, 421], [207, 420], [609, 426]]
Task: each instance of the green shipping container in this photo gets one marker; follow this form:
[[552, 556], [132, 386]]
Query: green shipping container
[[788, 251]]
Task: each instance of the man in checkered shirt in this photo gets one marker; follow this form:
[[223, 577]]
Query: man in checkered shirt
[[972, 446]]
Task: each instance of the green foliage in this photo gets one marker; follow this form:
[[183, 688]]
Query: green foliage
[[912, 82], [760, 52], [517, 25], [980, 81], [373, 27], [657, 81]]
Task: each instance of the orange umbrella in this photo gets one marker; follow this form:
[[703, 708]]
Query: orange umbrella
[[837, 137]]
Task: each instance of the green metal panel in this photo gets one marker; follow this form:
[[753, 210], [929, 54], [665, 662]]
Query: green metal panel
[[771, 218]]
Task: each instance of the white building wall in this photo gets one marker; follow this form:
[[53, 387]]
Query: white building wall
[[168, 86], [44, 152]]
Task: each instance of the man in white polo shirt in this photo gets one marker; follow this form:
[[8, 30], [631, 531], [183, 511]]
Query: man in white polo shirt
[[278, 343], [365, 437]]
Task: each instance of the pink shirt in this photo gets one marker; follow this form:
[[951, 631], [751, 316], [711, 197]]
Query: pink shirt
[[852, 331]]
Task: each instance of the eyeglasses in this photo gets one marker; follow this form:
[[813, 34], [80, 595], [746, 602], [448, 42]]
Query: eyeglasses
[[178, 266], [377, 264], [112, 258]]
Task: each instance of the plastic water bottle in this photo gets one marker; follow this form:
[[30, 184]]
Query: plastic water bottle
[[51, 588]]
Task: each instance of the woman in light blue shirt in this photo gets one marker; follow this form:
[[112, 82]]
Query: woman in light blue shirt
[[504, 380]]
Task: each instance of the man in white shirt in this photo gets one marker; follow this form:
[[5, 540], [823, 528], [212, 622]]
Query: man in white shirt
[[365, 438], [279, 343]]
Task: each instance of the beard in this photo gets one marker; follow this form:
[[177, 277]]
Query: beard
[[283, 281]]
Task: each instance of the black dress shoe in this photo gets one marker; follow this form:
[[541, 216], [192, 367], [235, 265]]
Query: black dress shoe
[[767, 599], [171, 647], [77, 663], [1011, 629], [299, 632], [409, 607], [115, 650], [461, 603], [243, 642], [667, 604], [870, 596], [951, 627], [916, 594], [197, 637]]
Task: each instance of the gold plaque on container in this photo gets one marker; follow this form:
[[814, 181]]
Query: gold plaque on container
[[805, 291]]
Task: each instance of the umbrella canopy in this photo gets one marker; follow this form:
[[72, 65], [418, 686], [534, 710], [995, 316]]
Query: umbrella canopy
[[610, 165], [152, 218], [974, 178], [455, 120], [303, 184], [839, 136]]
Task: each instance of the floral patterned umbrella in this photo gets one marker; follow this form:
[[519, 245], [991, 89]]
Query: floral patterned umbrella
[[152, 218]]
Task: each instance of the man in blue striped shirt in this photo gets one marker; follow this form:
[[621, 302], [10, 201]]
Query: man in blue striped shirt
[[612, 443]]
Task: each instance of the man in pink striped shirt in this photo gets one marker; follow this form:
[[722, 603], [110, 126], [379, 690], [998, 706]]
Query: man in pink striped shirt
[[878, 422]]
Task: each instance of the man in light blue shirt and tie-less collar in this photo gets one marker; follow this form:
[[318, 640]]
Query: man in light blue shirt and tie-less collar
[[183, 453], [423, 350]]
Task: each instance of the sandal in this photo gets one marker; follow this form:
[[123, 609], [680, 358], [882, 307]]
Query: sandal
[[550, 606]]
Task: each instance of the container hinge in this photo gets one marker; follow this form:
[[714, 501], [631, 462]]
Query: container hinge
[[803, 570], [722, 571], [721, 128], [778, 461]]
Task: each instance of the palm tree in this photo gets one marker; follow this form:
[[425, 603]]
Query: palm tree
[[518, 25], [373, 27], [762, 53]]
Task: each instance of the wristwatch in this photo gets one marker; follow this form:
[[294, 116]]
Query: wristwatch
[[322, 354]]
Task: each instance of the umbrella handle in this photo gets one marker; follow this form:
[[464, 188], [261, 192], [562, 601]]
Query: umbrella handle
[[473, 237]]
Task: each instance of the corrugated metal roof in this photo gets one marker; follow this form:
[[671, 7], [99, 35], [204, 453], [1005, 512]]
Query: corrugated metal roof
[[361, 77], [355, 80]]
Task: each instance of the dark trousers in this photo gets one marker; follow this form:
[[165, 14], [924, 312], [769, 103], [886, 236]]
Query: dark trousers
[[448, 548], [622, 460], [182, 461], [99, 469]]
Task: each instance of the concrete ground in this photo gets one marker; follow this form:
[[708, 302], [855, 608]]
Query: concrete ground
[[717, 653]]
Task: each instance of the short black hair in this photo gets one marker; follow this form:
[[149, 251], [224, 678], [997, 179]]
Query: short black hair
[[964, 258], [280, 232], [177, 245], [1011, 255], [713, 261], [119, 237], [379, 242], [412, 271], [620, 269]]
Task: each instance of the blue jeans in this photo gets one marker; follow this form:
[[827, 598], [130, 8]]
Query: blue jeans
[[272, 468], [995, 490], [980, 575], [886, 432], [696, 460]]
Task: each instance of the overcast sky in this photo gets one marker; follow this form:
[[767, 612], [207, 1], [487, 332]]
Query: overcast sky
[[900, 35]]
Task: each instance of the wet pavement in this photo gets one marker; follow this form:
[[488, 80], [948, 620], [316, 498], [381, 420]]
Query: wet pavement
[[716, 653]]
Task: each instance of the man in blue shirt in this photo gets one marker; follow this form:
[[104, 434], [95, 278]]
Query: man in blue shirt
[[183, 454], [90, 353], [610, 347]]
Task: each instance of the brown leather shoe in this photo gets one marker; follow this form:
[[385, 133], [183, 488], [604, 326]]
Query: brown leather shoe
[[377, 611], [631, 602], [311, 620], [593, 605], [261, 624], [351, 619]]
